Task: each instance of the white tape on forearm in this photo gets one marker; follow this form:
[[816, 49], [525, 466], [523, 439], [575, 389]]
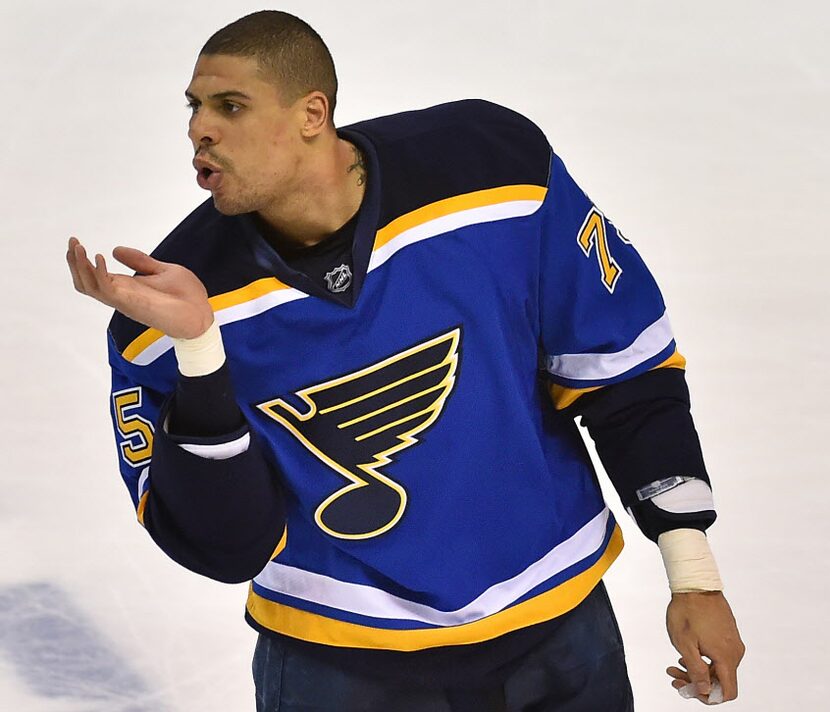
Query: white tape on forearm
[[202, 355], [689, 563]]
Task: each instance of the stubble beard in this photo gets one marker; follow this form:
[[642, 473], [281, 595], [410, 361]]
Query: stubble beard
[[229, 206], [238, 203]]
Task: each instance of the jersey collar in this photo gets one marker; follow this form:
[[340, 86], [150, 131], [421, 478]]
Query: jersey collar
[[269, 260]]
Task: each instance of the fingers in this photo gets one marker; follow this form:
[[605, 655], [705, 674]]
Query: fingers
[[698, 671], [72, 262], [688, 689], [137, 260], [677, 674], [100, 267], [92, 280], [681, 679], [728, 676], [83, 273]]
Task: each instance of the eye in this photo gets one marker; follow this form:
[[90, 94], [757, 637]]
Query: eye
[[230, 108], [193, 106]]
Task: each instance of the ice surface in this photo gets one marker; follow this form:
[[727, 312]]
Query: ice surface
[[57, 651], [699, 128]]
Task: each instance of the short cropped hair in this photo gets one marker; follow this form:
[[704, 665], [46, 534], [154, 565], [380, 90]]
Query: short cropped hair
[[288, 50]]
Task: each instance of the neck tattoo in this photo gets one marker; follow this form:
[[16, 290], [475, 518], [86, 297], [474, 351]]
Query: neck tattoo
[[359, 165]]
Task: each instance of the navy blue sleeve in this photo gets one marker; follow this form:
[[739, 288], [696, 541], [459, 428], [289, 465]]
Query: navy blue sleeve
[[644, 432], [221, 517], [198, 478], [205, 406]]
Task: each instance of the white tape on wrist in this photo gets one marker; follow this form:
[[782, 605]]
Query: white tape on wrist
[[202, 355], [689, 563]]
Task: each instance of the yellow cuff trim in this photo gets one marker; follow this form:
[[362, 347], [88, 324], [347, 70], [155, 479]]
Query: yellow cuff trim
[[142, 505], [281, 545], [563, 396]]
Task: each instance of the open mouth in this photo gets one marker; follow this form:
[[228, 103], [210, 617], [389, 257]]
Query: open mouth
[[208, 178]]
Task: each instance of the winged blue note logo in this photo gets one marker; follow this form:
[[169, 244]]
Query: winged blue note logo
[[357, 422]]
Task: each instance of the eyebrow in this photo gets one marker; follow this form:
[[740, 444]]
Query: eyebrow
[[220, 95]]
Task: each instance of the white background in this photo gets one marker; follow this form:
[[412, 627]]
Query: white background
[[699, 128]]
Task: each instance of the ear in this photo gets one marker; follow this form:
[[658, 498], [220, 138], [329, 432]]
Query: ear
[[315, 114]]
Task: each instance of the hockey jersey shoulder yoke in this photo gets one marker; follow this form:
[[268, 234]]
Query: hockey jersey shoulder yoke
[[451, 150]]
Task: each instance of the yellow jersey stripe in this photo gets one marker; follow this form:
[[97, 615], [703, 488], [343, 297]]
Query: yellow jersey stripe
[[219, 302], [420, 216], [563, 396], [457, 204], [676, 360], [254, 290], [141, 342], [320, 629]]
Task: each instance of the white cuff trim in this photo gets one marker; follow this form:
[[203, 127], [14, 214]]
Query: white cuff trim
[[222, 451], [142, 481]]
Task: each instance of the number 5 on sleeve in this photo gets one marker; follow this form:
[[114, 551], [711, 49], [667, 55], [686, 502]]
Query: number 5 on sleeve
[[137, 432]]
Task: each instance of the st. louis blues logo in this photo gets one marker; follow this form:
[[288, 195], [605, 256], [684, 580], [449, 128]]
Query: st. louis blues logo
[[356, 422]]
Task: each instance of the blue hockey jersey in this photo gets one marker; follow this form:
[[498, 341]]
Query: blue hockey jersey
[[433, 494]]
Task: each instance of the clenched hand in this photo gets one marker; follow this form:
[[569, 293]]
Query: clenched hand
[[702, 624]]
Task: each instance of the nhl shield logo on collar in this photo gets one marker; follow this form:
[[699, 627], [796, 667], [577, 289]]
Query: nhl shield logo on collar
[[339, 279]]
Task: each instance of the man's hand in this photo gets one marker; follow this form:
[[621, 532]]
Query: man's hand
[[702, 624], [163, 296]]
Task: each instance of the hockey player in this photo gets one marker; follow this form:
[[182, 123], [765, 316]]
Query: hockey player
[[351, 376]]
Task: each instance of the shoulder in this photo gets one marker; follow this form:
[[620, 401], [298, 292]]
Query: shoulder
[[452, 149], [469, 117], [194, 240]]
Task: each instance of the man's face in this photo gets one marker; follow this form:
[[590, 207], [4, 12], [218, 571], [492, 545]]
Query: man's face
[[247, 145]]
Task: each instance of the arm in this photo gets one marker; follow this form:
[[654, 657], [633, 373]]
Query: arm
[[644, 426], [610, 356], [201, 485]]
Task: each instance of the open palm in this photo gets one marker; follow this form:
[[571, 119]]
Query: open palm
[[162, 295]]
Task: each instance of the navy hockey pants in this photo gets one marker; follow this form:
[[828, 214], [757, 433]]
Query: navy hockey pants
[[580, 668]]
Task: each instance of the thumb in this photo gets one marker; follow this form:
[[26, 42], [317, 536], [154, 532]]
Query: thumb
[[698, 672], [137, 260]]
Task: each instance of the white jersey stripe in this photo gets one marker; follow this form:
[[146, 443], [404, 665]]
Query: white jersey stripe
[[598, 367], [153, 351], [454, 221], [374, 602], [245, 310]]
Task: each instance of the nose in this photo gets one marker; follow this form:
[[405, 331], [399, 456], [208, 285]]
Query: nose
[[201, 130]]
